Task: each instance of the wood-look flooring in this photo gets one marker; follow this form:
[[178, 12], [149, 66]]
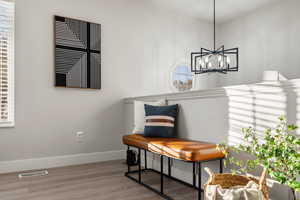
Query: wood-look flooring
[[99, 181]]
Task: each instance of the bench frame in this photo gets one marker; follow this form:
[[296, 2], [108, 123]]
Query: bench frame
[[197, 164]]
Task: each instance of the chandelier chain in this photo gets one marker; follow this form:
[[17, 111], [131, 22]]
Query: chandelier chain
[[217, 60], [214, 25]]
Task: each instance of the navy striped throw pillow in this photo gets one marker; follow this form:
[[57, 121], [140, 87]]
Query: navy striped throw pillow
[[160, 121]]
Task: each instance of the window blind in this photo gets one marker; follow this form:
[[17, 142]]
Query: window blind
[[6, 63]]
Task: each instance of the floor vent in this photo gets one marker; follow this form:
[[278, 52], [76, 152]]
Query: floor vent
[[35, 173]]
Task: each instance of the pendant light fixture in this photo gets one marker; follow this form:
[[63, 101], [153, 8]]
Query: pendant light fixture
[[217, 60]]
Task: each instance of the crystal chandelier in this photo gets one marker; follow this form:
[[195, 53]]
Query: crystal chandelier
[[217, 60]]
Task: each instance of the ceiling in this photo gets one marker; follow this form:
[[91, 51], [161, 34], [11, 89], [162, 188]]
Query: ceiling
[[203, 9]]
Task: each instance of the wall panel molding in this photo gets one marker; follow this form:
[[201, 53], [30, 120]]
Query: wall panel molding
[[238, 90]]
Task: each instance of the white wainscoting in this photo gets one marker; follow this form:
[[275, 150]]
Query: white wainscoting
[[218, 115]]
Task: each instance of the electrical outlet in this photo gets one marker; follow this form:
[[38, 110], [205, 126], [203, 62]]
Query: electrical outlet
[[80, 136]]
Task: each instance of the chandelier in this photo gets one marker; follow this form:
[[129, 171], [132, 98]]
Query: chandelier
[[217, 60]]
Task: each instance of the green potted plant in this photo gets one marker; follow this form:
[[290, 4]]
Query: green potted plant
[[277, 150]]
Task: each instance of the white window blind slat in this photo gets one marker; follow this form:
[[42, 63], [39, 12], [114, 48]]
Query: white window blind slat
[[7, 9]]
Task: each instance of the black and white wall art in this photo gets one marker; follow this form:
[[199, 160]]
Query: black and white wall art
[[77, 53]]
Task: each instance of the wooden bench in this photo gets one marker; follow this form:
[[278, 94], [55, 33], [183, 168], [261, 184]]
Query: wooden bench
[[194, 152]]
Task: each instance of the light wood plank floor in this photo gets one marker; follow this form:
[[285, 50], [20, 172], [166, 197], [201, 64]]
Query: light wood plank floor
[[99, 181]]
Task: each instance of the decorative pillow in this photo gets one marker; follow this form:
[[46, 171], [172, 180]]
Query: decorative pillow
[[160, 121], [139, 114]]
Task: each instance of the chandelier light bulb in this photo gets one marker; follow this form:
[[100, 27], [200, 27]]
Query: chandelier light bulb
[[201, 63], [228, 60], [206, 59], [221, 64], [209, 65], [219, 58]]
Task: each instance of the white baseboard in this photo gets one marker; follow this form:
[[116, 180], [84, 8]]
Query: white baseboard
[[59, 161]]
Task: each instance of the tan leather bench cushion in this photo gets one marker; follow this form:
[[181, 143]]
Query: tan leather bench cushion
[[187, 150]]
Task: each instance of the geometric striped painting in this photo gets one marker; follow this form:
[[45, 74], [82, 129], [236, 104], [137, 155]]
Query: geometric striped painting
[[77, 53]]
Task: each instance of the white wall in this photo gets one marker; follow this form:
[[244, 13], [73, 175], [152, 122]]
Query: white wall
[[268, 39], [140, 42]]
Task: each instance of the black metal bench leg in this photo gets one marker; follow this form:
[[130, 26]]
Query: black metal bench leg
[[128, 166], [161, 174], [139, 162], [199, 182], [145, 159], [221, 166], [194, 174], [169, 167]]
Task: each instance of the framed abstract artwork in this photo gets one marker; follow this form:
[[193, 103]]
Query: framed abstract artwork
[[77, 53]]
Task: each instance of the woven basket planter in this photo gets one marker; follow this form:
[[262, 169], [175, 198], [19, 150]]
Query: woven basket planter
[[228, 181]]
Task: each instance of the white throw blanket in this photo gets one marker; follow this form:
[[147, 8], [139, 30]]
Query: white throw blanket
[[249, 192]]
